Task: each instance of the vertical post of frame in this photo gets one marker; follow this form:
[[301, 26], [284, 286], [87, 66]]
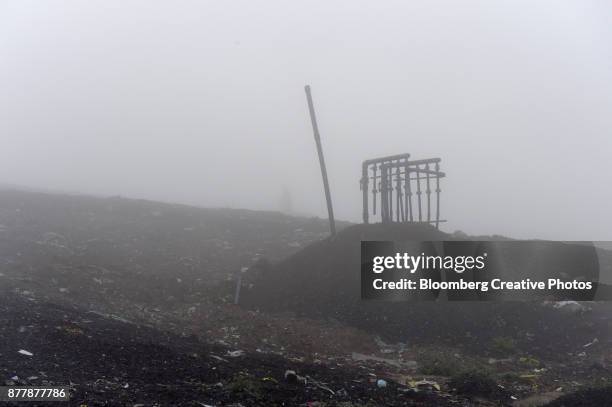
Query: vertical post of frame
[[437, 195], [384, 195], [428, 192], [408, 190], [418, 180]]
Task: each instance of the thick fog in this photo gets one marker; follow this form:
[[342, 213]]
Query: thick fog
[[203, 102]]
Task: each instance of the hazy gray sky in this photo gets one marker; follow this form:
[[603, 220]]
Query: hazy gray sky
[[202, 102]]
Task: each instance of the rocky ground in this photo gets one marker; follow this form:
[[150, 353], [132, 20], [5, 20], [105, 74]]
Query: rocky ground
[[110, 362], [131, 303]]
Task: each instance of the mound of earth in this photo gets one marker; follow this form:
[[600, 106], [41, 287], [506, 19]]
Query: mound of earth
[[323, 281]]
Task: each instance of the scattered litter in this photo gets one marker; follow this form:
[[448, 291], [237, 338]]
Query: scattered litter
[[386, 348], [219, 358], [424, 385], [493, 361], [342, 393], [410, 364], [570, 306], [529, 361], [235, 353], [320, 385], [343, 373]]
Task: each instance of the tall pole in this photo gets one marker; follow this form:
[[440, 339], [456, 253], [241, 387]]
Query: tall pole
[[315, 129]]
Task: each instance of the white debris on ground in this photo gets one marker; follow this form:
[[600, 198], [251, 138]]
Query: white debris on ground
[[568, 306]]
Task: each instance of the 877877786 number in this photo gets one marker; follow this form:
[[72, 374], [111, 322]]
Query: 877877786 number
[[32, 393]]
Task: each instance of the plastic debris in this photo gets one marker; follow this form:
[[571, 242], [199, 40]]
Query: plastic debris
[[381, 383], [235, 353], [570, 306], [219, 358], [291, 376], [424, 385], [409, 364], [319, 385], [25, 352]]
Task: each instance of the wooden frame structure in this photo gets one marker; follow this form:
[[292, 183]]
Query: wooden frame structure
[[397, 188]]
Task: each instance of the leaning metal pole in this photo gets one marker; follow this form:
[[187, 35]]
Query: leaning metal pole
[[315, 129]]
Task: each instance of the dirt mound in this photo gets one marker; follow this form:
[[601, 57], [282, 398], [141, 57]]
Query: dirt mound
[[323, 281]]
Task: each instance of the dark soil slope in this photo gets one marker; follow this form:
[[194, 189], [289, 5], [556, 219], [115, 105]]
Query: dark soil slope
[[109, 362], [112, 253]]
